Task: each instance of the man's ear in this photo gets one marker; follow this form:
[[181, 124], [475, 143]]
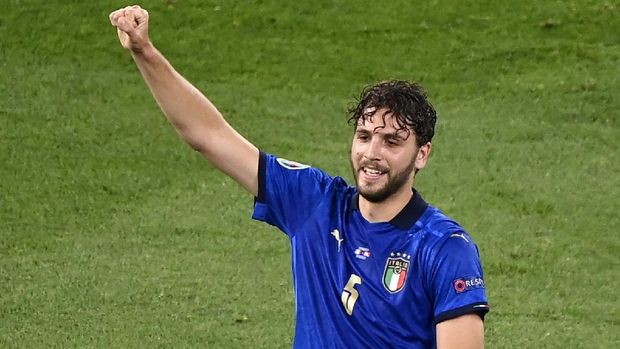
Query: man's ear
[[422, 157]]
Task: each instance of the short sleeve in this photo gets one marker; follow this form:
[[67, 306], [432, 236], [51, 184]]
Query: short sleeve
[[457, 280], [288, 192]]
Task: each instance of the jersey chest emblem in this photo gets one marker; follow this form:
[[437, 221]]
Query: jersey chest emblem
[[395, 272]]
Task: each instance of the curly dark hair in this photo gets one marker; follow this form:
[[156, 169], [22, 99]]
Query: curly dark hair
[[408, 103]]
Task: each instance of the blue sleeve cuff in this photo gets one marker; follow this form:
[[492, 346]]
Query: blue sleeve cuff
[[262, 177], [475, 308]]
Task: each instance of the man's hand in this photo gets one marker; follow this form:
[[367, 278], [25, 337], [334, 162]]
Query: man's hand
[[132, 24]]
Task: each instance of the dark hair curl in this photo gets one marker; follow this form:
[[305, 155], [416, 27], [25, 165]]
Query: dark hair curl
[[408, 103]]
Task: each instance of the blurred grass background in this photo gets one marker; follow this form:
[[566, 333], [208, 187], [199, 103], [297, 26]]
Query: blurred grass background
[[113, 233]]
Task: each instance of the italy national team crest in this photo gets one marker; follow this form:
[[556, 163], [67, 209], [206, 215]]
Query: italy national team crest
[[395, 273]]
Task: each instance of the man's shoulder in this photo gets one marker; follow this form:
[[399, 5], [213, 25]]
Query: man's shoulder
[[298, 177], [442, 236], [437, 226]]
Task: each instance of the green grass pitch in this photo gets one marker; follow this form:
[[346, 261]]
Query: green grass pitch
[[114, 234]]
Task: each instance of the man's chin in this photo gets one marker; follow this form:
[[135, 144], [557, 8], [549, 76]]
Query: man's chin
[[374, 196]]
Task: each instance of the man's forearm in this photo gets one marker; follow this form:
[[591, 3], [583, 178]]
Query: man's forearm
[[189, 111]]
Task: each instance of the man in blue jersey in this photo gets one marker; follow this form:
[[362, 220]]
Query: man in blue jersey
[[374, 266]]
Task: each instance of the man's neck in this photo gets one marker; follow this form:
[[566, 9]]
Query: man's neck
[[385, 210]]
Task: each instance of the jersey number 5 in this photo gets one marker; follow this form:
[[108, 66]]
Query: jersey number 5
[[349, 294]]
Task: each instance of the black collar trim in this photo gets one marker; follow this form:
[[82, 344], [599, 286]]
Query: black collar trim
[[407, 217]]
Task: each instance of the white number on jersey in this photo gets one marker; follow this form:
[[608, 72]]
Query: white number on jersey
[[349, 294]]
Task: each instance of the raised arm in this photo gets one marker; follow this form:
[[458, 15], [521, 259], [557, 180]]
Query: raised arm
[[195, 118]]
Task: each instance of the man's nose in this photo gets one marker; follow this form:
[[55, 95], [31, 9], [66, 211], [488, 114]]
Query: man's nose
[[373, 152]]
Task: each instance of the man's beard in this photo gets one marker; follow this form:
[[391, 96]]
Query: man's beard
[[394, 183]]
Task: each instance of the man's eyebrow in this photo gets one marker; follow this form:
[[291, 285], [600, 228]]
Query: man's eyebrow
[[395, 136]]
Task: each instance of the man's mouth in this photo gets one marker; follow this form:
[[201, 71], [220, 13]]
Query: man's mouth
[[372, 172]]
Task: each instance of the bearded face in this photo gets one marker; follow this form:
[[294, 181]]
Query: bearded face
[[385, 157]]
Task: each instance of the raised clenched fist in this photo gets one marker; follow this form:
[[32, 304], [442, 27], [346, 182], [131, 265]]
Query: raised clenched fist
[[132, 24]]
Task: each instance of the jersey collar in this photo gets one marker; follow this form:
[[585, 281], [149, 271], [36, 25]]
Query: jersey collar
[[407, 217]]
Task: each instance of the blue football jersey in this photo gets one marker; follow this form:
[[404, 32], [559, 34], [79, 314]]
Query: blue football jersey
[[367, 285]]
